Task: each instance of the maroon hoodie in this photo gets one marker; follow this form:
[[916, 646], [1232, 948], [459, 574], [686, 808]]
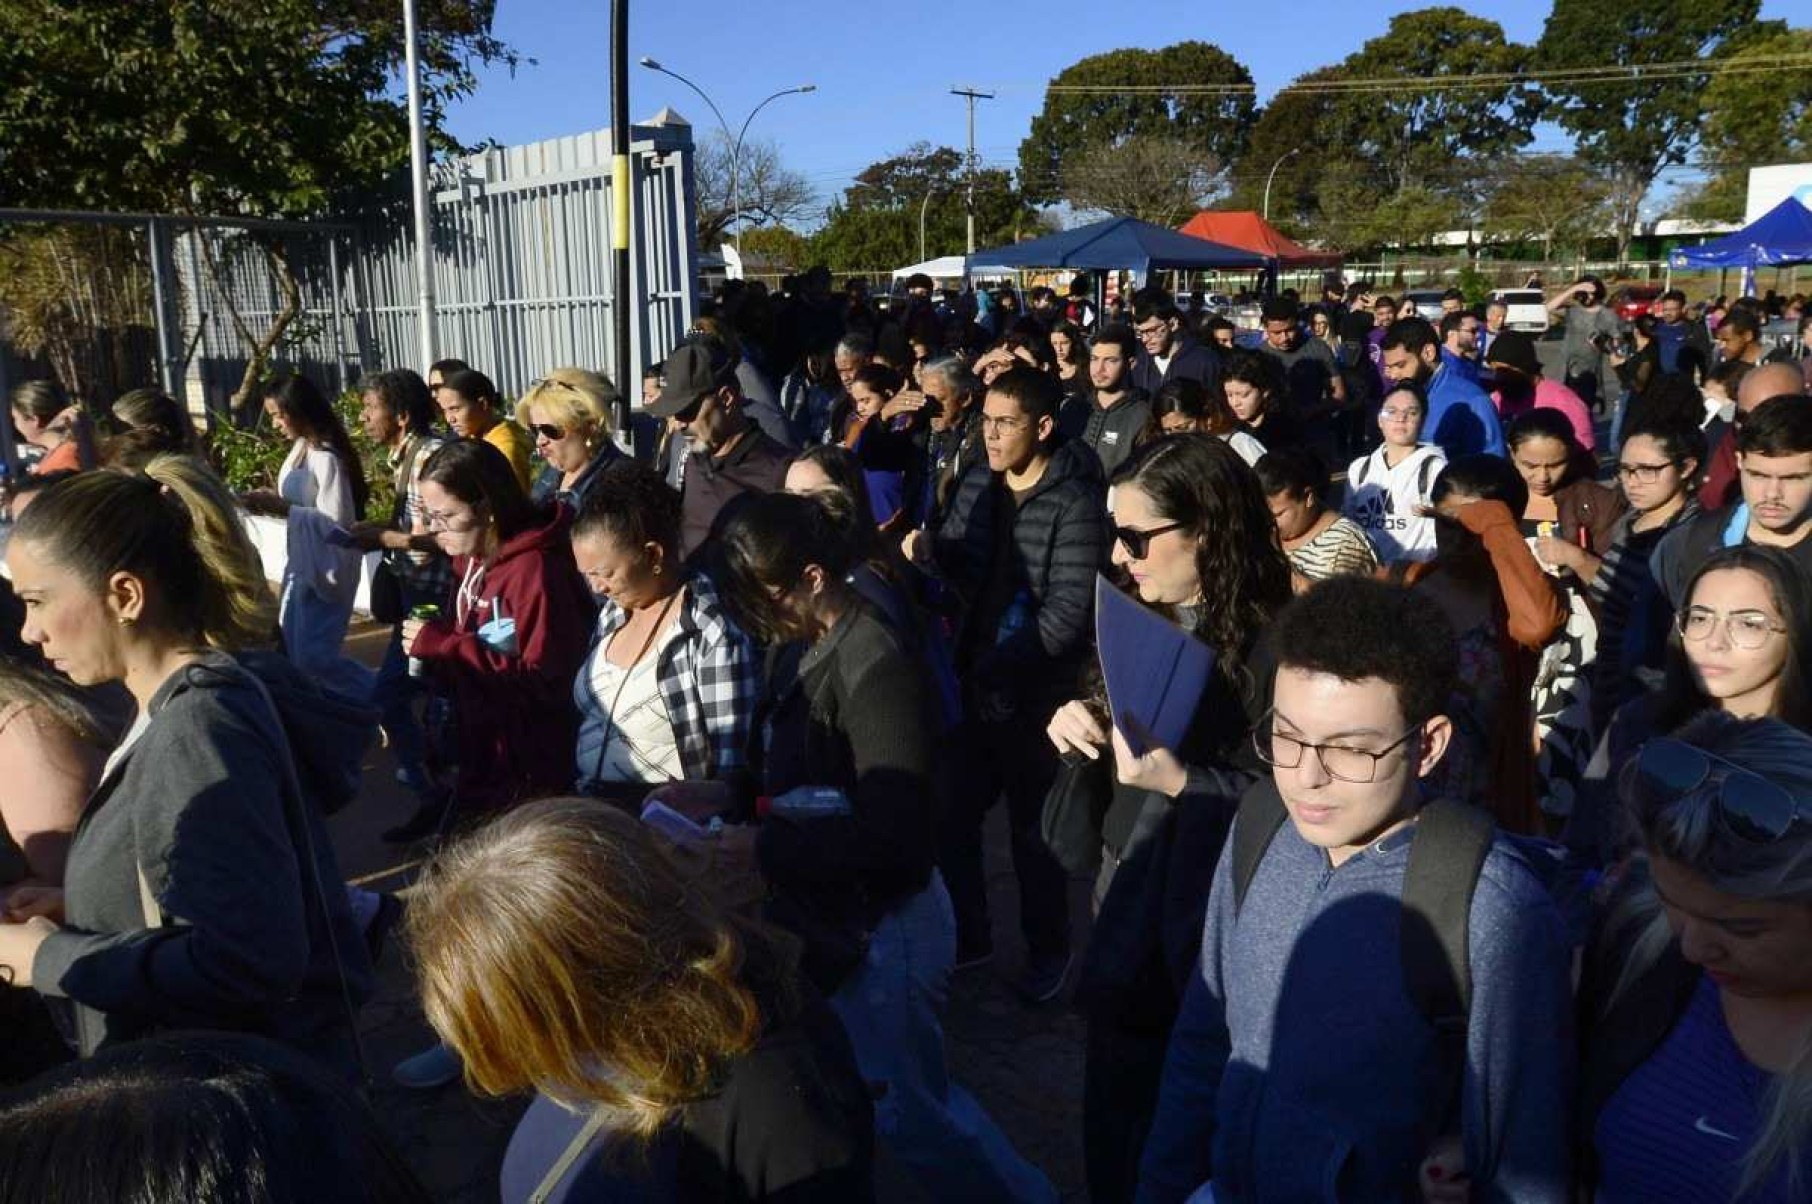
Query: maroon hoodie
[[517, 724]]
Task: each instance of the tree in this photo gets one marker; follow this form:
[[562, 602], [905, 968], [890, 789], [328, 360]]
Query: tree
[[1296, 134], [1152, 177], [1546, 199], [771, 193], [251, 108], [1101, 101], [1753, 117], [780, 249], [876, 221], [1634, 126]]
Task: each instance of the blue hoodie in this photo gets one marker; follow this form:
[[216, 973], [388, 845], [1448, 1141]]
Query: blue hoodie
[[1299, 1068]]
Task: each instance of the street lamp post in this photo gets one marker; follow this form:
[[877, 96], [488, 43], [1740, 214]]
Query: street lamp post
[[1272, 175], [929, 193], [736, 144]]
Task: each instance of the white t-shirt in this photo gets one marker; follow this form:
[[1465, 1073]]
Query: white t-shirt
[[640, 745], [1385, 501]]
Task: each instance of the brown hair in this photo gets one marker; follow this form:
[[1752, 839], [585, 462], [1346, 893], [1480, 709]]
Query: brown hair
[[561, 948]]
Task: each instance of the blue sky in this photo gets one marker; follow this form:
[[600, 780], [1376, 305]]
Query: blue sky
[[884, 71]]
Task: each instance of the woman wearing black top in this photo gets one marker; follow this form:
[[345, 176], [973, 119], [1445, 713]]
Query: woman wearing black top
[[1193, 532], [847, 846]]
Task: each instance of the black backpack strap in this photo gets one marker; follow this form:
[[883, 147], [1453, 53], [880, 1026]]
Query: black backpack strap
[[1261, 814], [1445, 858]]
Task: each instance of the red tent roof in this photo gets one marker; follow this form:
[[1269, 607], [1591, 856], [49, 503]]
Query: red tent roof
[[1245, 229]]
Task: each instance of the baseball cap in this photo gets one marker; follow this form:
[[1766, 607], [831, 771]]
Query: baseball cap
[[697, 367], [1516, 350]]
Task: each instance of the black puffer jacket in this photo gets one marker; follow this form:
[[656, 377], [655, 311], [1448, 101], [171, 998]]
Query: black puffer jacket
[[1060, 538]]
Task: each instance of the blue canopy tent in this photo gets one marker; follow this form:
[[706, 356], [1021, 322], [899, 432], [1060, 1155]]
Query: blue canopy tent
[[1779, 237], [1121, 242]]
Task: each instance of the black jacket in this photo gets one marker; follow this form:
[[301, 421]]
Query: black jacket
[[1189, 360], [1112, 433], [1060, 538]]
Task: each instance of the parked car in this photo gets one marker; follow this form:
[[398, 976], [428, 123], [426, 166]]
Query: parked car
[[1633, 300], [1527, 309], [1428, 301]]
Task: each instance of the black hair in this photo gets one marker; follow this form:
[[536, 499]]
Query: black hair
[[632, 504], [405, 394], [308, 410], [1034, 392], [1541, 423], [448, 367], [1279, 309], [479, 475], [1078, 343], [1355, 628], [1452, 322], [1411, 335], [1263, 372], [1482, 476], [1645, 325], [1291, 470], [1679, 440], [1744, 319], [1217, 322], [1680, 696], [1672, 398], [1196, 402], [205, 1118], [878, 378], [1453, 294], [1201, 482], [1147, 307], [474, 386], [1672, 294], [1120, 335], [769, 540], [1780, 426]]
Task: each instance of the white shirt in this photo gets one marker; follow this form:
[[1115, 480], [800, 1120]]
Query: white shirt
[[1385, 501], [640, 745]]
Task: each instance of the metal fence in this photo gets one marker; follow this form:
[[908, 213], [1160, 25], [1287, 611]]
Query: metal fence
[[521, 258]]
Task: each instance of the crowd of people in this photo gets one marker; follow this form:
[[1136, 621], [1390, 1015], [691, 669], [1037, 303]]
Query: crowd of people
[[1482, 870]]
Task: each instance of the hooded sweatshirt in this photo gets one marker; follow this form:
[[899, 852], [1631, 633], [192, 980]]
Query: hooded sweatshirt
[[517, 725], [198, 801]]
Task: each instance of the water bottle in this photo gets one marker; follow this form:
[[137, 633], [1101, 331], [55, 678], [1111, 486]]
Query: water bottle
[[427, 612]]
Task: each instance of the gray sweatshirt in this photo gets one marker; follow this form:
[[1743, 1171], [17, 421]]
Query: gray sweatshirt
[[1299, 1068], [200, 803]]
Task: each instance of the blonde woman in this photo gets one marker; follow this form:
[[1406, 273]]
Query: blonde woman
[[571, 415], [673, 1051]]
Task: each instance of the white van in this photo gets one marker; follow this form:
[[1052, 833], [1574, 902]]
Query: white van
[[1528, 309]]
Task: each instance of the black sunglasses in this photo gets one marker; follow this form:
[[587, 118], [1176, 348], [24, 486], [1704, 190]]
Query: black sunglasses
[[548, 430], [1138, 543], [1747, 805]]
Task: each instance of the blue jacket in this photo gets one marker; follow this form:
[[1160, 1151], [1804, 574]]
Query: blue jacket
[[1461, 417], [1298, 1069]]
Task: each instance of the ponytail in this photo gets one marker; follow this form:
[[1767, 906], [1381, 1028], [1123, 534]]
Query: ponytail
[[174, 527]]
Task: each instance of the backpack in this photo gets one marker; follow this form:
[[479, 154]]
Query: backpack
[[1446, 856]]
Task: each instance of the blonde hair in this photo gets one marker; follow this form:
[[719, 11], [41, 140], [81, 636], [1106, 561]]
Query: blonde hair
[[572, 398], [561, 949], [174, 526]]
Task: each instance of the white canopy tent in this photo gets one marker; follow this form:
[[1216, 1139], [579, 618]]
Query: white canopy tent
[[951, 267]]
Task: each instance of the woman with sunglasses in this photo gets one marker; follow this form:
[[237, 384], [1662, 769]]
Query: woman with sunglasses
[[1737, 648], [1192, 531], [570, 414], [1696, 1001]]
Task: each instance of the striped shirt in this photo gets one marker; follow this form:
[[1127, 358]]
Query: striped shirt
[[1340, 551]]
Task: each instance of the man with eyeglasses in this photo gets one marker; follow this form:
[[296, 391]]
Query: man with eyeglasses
[[1383, 979], [730, 456], [1024, 537], [1774, 458], [1167, 352]]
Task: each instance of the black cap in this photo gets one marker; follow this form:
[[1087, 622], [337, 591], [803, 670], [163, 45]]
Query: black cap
[[697, 367]]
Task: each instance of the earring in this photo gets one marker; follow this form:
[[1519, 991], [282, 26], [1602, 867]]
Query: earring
[[657, 570], [125, 620]]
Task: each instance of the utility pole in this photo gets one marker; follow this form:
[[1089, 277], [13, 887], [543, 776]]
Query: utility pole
[[418, 188], [971, 95]]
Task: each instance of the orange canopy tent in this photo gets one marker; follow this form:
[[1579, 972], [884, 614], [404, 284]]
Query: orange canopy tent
[[1245, 229]]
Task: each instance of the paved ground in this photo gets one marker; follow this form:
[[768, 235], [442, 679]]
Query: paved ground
[[1024, 1065]]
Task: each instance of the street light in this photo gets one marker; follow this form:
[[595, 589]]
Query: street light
[[735, 146], [1295, 150]]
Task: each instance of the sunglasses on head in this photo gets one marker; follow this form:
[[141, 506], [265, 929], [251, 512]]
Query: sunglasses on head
[[1746, 805], [1138, 543]]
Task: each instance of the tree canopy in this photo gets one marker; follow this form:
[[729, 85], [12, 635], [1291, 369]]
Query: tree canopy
[[875, 223], [1121, 96]]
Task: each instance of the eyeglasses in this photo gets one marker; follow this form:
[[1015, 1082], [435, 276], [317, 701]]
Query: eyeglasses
[[1648, 474], [1004, 425], [1396, 415], [1138, 543], [440, 520], [1746, 805], [1342, 763], [548, 431], [1746, 629]]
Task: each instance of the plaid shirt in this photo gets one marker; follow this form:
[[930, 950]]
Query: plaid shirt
[[709, 678], [426, 576]]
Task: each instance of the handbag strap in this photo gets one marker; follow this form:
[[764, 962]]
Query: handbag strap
[[583, 1138]]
